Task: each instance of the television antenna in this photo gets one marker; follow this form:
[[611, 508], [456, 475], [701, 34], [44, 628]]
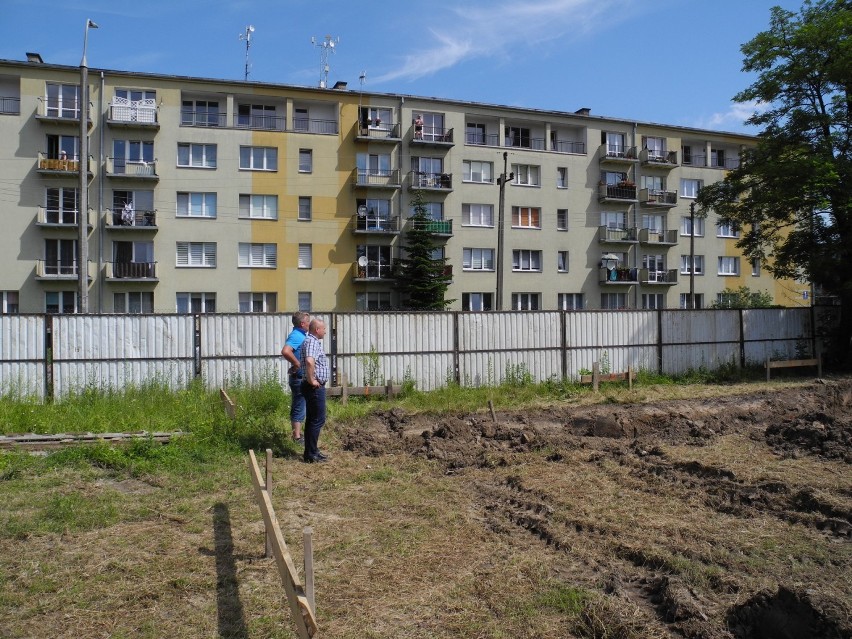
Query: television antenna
[[326, 47], [247, 37]]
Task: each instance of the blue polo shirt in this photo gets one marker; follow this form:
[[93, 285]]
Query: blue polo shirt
[[294, 341]]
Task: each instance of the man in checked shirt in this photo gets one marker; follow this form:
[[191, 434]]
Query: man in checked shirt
[[314, 364]]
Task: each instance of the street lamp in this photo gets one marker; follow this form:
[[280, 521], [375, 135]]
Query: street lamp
[[501, 181], [83, 167]]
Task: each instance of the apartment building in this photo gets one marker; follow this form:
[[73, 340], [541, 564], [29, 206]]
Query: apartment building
[[223, 196]]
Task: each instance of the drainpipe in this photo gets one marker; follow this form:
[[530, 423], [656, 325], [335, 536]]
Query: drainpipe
[[100, 208], [636, 223]]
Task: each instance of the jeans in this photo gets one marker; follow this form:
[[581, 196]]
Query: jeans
[[315, 405], [297, 399]]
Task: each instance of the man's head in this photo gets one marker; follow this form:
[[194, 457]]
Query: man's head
[[301, 320], [317, 328]]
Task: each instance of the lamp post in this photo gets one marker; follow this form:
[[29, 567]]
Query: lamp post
[[83, 167], [501, 181], [692, 255]]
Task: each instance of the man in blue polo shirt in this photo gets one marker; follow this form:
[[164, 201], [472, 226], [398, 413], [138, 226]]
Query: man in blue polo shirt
[[290, 352]]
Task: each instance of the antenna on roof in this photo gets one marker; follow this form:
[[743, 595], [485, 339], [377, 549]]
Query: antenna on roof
[[326, 47], [247, 37]]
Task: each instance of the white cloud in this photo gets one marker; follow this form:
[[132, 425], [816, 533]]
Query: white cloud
[[734, 117]]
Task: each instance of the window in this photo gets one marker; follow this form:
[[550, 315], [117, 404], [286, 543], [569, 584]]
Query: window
[[428, 171], [614, 144], [61, 205], [685, 302], [258, 302], [614, 219], [613, 301], [518, 136], [697, 260], [726, 228], [689, 188], [379, 264], [373, 164], [127, 153], [305, 209], [9, 303], [64, 147], [475, 133], [526, 217], [653, 301], [477, 214], [562, 261], [561, 177], [432, 210], [305, 301], [197, 155], [257, 255], [374, 214], [686, 226], [373, 301], [306, 256], [125, 254], [433, 127], [133, 302], [478, 171], [686, 154], [196, 205], [196, 302], [196, 254], [306, 161], [656, 148], [729, 265], [526, 260], [654, 223], [477, 302], [262, 207], [570, 301], [259, 158], [613, 178], [201, 113], [717, 158], [654, 263], [526, 301], [755, 267], [60, 302], [527, 174], [62, 101], [60, 257], [256, 116], [652, 182], [478, 259]]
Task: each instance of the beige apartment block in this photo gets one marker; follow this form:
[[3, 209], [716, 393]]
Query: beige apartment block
[[225, 196]]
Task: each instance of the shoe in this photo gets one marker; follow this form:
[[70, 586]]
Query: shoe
[[316, 459], [299, 440], [322, 456]]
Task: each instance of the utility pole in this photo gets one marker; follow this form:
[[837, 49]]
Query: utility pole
[[83, 166], [692, 255], [501, 181]]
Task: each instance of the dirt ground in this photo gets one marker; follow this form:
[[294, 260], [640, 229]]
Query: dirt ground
[[708, 518]]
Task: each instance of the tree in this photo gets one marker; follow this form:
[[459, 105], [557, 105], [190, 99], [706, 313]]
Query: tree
[[743, 297], [791, 192], [422, 277]]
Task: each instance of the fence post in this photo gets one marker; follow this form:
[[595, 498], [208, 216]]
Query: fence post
[[344, 389], [742, 340], [48, 358], [595, 376], [659, 341], [456, 358], [563, 342]]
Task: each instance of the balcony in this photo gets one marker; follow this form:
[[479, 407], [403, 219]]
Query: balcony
[[724, 163], [141, 114], [430, 181], [440, 228], [615, 154], [482, 139], [694, 159], [60, 219], [658, 198], [432, 136], [658, 159], [658, 238], [524, 142], [379, 133], [133, 170], [568, 146], [620, 276], [367, 224], [372, 272], [59, 271], [10, 105], [131, 271], [311, 125], [666, 278], [56, 112], [121, 219], [376, 179], [202, 118], [621, 192], [610, 235], [260, 122], [59, 167]]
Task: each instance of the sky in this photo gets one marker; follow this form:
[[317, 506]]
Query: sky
[[674, 62]]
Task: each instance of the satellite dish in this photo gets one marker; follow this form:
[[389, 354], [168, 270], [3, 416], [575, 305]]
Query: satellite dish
[[362, 210], [362, 261]]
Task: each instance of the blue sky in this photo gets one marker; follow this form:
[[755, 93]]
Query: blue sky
[[670, 61]]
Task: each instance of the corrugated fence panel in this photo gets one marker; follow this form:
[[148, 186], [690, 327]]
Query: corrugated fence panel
[[699, 339], [116, 351], [22, 355], [374, 347], [777, 333], [614, 339]]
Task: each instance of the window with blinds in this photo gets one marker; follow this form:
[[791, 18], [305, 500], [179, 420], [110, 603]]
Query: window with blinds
[[305, 256], [256, 255], [196, 254]]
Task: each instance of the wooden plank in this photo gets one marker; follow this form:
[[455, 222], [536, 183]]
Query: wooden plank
[[33, 441], [791, 363], [300, 609], [268, 488], [228, 404], [307, 538], [366, 391]]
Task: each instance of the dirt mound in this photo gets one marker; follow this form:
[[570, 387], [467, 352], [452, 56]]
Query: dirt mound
[[789, 614], [829, 436]]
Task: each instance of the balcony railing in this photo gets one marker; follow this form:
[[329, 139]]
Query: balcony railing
[[390, 132], [65, 110], [667, 277], [202, 118], [68, 165], [133, 112], [310, 125], [61, 217], [435, 181], [657, 197], [373, 271], [261, 122], [385, 179], [651, 236], [432, 135], [608, 234], [522, 142], [665, 159], [727, 163], [695, 159], [119, 167], [10, 105], [568, 146], [131, 270], [59, 270], [617, 192], [619, 275], [371, 223], [127, 219], [436, 227], [482, 139], [617, 154]]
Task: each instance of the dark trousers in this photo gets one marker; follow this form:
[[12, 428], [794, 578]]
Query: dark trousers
[[314, 419]]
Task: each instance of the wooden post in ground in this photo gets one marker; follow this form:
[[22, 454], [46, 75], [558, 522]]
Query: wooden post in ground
[[344, 389], [269, 491], [819, 365], [595, 376], [630, 377], [388, 388], [309, 568], [228, 404], [768, 369], [491, 408]]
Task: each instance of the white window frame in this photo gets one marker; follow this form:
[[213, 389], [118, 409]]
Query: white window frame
[[478, 172], [305, 301], [257, 255], [525, 217], [247, 302], [10, 302], [195, 255], [526, 261], [372, 301], [266, 161], [478, 259], [258, 207], [689, 187], [653, 301], [476, 214], [306, 212], [205, 300], [526, 175], [755, 267], [698, 261], [61, 297], [526, 301], [685, 226], [561, 177], [620, 299], [728, 265], [562, 261], [306, 161], [306, 256], [684, 301], [476, 301], [196, 155], [145, 302], [727, 228], [570, 301], [188, 204]]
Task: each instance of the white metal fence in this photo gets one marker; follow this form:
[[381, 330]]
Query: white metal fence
[[52, 356]]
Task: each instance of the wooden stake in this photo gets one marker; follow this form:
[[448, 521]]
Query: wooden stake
[[595, 376], [269, 491], [309, 568], [491, 408], [344, 389], [228, 404], [630, 378]]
